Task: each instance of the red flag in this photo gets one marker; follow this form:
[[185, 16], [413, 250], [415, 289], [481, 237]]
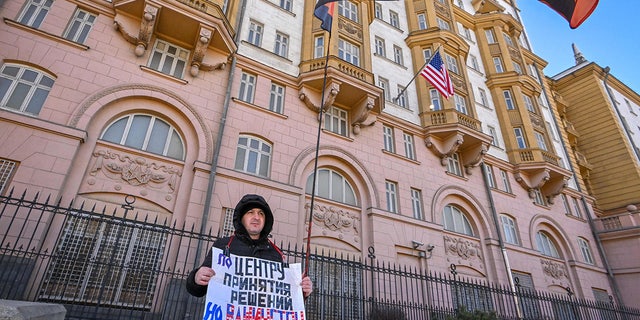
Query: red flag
[[574, 11], [436, 73]]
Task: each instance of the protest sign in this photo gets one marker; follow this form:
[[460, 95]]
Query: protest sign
[[247, 288]]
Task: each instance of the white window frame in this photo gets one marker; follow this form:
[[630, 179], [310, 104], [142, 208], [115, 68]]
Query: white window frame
[[336, 120], [585, 249], [443, 24], [538, 198], [520, 140], [256, 30], [452, 63], [494, 134], [379, 44], [318, 51], [545, 245], [281, 46], [79, 26], [484, 100], [460, 103], [490, 35], [508, 100], [506, 185], [7, 169], [509, 229], [565, 204], [388, 139], [253, 156], [348, 10], [391, 189], [409, 146], [169, 59], [128, 131], [541, 141], [397, 55], [422, 21], [378, 11], [384, 85], [435, 100], [416, 204], [394, 19], [332, 185], [276, 97], [528, 103], [497, 61], [247, 89], [453, 164], [490, 175], [576, 207], [402, 98], [286, 5], [474, 62], [34, 12], [20, 77], [453, 219], [348, 51]]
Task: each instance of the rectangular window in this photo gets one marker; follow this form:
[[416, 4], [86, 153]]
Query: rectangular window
[[276, 98], [7, 168], [426, 53], [489, 174], [528, 103], [494, 134], [517, 68], [392, 196], [318, 51], [394, 20], [348, 10], [473, 60], [422, 21], [541, 142], [507, 39], [348, 51], [34, 11], [389, 144], [255, 33], [335, 120], [538, 198], [384, 85], [498, 63], [416, 204], [576, 208], [397, 55], [509, 229], [378, 11], [79, 26], [533, 72], [460, 102], [409, 148], [453, 165], [282, 45], [526, 291], [508, 100], [380, 47], [565, 204], [586, 250], [435, 100], [442, 24], [247, 87], [483, 97], [285, 4], [506, 186], [522, 143], [452, 63], [490, 36], [402, 98], [168, 59]]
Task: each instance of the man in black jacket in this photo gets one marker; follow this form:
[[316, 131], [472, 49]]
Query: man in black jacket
[[253, 221]]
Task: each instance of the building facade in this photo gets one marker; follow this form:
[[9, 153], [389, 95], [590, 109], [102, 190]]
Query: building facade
[[188, 105]]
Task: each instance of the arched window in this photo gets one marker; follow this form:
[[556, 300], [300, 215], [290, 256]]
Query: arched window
[[456, 221], [147, 133], [23, 88], [333, 186], [546, 245]]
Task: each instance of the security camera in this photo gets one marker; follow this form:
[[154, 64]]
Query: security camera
[[430, 247], [416, 244]]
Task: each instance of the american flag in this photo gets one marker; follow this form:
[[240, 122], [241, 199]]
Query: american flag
[[436, 73]]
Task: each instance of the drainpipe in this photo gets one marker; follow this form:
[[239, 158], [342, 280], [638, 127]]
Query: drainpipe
[[503, 250], [216, 150]]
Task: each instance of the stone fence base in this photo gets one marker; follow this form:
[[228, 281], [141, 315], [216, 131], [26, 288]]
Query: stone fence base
[[24, 310]]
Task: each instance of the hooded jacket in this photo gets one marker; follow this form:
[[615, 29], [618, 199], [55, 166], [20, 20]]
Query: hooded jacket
[[240, 243]]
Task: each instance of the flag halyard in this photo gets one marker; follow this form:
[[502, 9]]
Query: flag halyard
[[436, 73]]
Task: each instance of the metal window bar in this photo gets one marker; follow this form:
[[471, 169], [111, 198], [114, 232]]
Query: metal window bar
[[115, 266]]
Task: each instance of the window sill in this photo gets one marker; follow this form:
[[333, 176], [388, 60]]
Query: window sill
[[166, 76], [45, 34]]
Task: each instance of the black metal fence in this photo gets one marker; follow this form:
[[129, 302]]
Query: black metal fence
[[115, 264]]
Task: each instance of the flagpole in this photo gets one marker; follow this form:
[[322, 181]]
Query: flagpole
[[315, 165], [417, 73]]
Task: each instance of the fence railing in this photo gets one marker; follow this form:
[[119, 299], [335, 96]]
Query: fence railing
[[113, 264]]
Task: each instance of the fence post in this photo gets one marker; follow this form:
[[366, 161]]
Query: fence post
[[452, 269]]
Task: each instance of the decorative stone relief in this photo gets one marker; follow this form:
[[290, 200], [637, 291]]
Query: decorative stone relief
[[135, 171], [554, 269], [467, 251], [336, 222]]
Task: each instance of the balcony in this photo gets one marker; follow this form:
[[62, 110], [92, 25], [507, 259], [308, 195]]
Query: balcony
[[202, 23], [449, 131], [539, 169], [347, 86]]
